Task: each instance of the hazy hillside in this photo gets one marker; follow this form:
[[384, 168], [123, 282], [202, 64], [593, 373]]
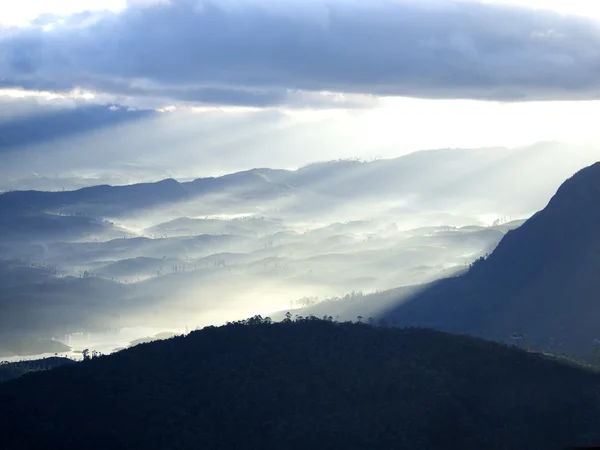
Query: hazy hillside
[[539, 286], [55, 306], [9, 371], [311, 384], [22, 344], [537, 289], [171, 254], [471, 181], [94, 201], [61, 288]]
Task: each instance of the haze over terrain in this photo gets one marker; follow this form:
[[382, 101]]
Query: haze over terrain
[[536, 289], [171, 256], [300, 224], [269, 185]]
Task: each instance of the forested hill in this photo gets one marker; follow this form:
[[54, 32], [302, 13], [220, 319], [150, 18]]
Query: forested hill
[[311, 384]]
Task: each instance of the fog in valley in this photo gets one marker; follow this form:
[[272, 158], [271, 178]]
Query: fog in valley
[[123, 218], [102, 267]]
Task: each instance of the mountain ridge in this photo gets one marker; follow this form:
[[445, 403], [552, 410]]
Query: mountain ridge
[[540, 280], [448, 174]]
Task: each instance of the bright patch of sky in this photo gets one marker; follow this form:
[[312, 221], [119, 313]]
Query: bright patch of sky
[[586, 8], [24, 11], [419, 123], [403, 122]]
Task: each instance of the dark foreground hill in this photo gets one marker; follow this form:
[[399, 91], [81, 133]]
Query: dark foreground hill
[[312, 384], [541, 284]]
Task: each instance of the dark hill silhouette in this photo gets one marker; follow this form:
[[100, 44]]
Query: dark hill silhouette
[[19, 226], [539, 285], [310, 384], [107, 200]]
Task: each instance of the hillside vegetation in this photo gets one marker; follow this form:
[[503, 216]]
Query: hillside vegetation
[[310, 384]]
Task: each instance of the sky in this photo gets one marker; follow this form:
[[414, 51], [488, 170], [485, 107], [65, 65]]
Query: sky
[[371, 79], [25, 11]]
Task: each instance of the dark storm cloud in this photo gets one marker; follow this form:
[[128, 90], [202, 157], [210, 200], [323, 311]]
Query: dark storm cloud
[[264, 53]]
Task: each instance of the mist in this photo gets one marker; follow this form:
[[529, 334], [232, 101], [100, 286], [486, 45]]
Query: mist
[[164, 219], [177, 255]]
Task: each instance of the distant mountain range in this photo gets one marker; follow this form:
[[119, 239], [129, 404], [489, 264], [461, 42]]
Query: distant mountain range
[[537, 288], [481, 180]]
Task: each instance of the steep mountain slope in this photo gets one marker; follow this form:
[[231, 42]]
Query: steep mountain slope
[[310, 384], [540, 284]]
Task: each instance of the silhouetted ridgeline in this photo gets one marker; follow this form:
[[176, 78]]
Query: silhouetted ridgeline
[[312, 384], [437, 177]]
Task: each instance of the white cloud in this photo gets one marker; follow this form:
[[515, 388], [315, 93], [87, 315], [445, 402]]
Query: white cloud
[[584, 8], [23, 12]]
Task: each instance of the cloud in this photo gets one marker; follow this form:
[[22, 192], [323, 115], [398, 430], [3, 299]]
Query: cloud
[[269, 53]]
